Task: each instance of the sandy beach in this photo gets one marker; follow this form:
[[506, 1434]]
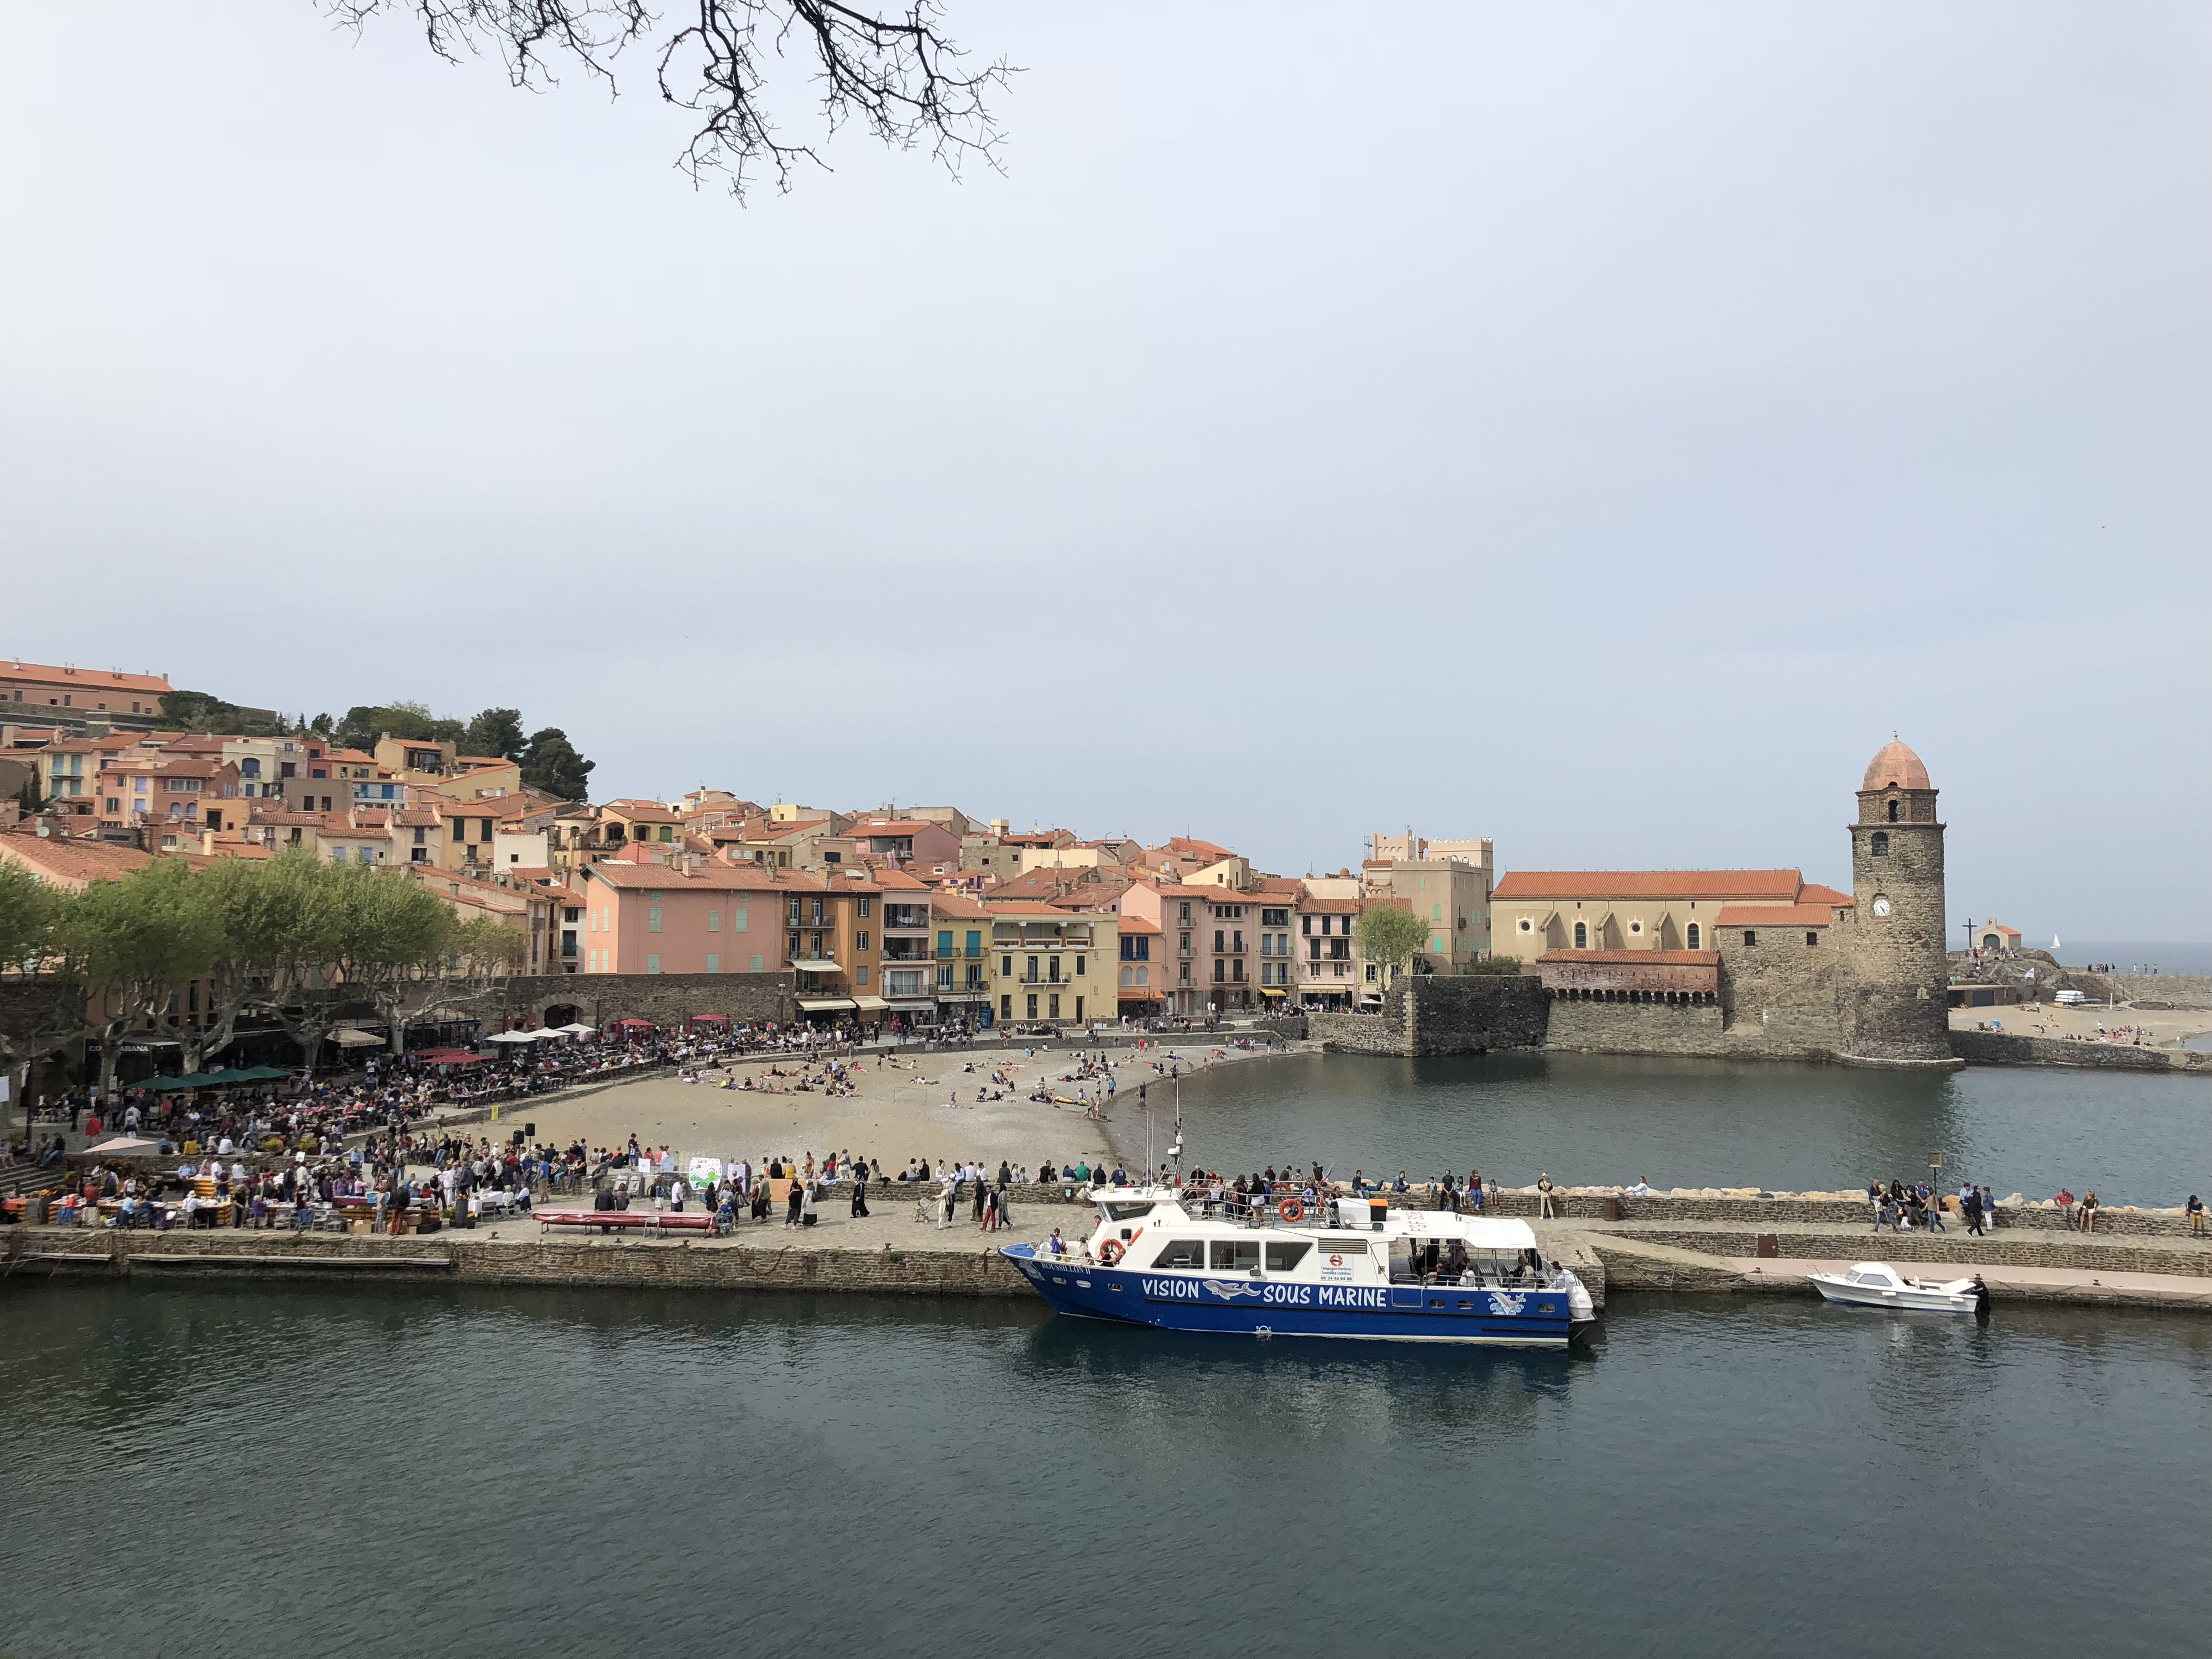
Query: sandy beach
[[908, 1106], [2162, 1028]]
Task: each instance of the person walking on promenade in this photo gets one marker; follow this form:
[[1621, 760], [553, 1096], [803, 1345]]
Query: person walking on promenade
[[1971, 1202], [860, 1189], [1988, 1211], [794, 1203], [1933, 1201]]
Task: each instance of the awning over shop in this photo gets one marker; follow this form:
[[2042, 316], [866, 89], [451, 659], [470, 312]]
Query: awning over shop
[[870, 1005], [819, 965], [1269, 991], [964, 996], [913, 1005], [824, 1005]]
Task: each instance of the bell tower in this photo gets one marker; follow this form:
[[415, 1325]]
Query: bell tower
[[1896, 1006]]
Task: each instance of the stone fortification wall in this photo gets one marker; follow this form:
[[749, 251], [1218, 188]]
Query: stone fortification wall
[[1437, 1014], [2003, 1048], [1636, 1028], [2162, 991], [665, 998]]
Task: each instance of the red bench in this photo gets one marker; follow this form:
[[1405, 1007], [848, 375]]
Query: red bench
[[687, 1221], [609, 1219]]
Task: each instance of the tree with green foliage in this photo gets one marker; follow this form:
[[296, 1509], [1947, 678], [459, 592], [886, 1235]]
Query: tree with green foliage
[[32, 924], [495, 732], [1501, 967], [552, 764], [365, 723], [139, 943], [27, 908], [1390, 935], [394, 935], [203, 711]]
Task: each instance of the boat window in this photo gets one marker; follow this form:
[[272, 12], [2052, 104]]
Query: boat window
[[1127, 1212], [1237, 1254], [1183, 1253], [1282, 1257]]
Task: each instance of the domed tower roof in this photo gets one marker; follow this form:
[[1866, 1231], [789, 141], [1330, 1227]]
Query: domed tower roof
[[1896, 765]]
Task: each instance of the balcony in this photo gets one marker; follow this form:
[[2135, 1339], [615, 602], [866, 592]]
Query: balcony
[[907, 950]]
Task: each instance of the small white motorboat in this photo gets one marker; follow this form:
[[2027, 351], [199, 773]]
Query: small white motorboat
[[1878, 1285]]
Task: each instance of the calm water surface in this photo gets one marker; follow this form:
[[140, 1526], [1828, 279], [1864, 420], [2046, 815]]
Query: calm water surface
[[1591, 1119], [201, 1471]]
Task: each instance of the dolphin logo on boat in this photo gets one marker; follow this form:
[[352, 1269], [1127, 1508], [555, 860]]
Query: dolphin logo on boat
[[1506, 1304], [1228, 1291]]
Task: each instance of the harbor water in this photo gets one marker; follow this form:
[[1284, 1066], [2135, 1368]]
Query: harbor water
[[2137, 1138], [264, 1470]]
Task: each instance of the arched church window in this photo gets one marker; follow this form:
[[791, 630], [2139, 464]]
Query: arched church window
[[1581, 936], [1880, 848], [1893, 811], [1693, 936]]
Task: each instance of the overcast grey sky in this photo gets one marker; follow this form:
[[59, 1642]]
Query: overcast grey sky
[[1592, 427]]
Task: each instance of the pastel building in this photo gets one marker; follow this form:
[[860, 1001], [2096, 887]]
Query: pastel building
[[703, 917]]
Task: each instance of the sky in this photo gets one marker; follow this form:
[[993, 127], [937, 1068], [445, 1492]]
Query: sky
[[1594, 427]]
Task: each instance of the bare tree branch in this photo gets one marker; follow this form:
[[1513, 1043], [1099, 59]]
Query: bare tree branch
[[896, 73]]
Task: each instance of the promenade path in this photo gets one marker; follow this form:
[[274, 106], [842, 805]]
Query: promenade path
[[2133, 1269]]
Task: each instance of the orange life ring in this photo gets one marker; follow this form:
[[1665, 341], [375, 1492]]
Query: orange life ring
[[1110, 1251], [1291, 1211]]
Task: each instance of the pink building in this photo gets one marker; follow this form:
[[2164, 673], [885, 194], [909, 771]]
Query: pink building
[[907, 841], [690, 915]]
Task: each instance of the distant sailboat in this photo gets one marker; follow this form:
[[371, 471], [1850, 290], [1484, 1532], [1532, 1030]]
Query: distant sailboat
[[2054, 944]]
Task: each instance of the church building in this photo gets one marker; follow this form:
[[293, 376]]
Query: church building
[[1752, 962]]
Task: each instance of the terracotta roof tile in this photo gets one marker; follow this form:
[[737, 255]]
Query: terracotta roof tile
[[1521, 884], [1638, 958], [1775, 915]]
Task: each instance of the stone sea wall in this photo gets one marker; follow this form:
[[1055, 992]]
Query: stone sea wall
[[450, 1258], [2003, 1048], [2018, 1249], [1433, 1014]]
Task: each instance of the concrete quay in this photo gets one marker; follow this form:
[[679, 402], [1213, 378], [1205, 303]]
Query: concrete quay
[[1740, 1246]]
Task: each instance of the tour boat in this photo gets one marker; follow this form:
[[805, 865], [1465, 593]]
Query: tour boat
[[1878, 1285], [1168, 1257]]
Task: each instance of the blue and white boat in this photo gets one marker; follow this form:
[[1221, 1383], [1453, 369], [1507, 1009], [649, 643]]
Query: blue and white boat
[[1172, 1258]]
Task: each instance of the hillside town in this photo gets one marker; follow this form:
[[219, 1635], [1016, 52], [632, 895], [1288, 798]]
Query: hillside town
[[914, 914], [869, 922]]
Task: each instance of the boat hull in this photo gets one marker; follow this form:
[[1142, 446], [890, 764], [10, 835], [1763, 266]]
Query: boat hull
[[1911, 1300], [1237, 1306]]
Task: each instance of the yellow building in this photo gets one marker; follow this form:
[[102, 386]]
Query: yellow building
[[1052, 963]]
